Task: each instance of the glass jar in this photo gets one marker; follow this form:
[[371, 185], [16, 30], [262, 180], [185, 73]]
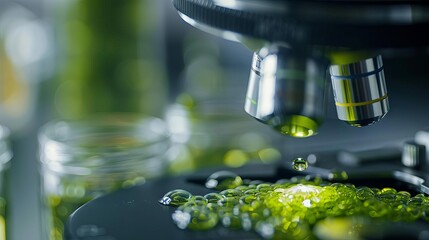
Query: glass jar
[[82, 160], [5, 157]]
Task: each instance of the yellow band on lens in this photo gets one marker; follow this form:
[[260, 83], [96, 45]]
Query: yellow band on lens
[[358, 104]]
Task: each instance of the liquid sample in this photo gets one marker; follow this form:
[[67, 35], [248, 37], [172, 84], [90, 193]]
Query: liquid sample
[[298, 208], [300, 164]]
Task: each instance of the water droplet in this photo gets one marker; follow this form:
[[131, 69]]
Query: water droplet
[[176, 197], [300, 164], [223, 180]]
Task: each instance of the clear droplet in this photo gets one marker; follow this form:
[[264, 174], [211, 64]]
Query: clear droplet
[[223, 180], [176, 198], [299, 164]]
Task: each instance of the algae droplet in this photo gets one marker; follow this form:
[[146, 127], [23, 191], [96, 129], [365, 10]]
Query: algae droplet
[[176, 197], [223, 180], [299, 164]]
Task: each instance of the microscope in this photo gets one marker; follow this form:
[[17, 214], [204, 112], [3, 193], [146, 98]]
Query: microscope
[[299, 47]]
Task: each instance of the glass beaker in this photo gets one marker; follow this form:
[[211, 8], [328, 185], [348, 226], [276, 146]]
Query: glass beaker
[[81, 160], [5, 157]]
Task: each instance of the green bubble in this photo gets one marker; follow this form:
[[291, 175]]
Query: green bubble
[[213, 197], [176, 197], [251, 192], [231, 193], [248, 199], [388, 191], [223, 180], [197, 198], [263, 187], [192, 203], [228, 202], [364, 193], [402, 196]]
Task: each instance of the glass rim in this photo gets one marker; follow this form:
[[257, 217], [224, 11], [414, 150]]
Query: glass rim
[[62, 143]]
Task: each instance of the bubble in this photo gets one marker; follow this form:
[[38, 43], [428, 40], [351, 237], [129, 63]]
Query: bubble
[[198, 199], [195, 218], [248, 199], [228, 202], [176, 197], [251, 192], [300, 164], [231, 193], [364, 193], [222, 180], [213, 197]]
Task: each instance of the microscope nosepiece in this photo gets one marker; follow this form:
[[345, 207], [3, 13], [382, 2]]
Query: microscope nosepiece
[[360, 91]]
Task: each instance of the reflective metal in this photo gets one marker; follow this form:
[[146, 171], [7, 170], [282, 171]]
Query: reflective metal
[[287, 90], [414, 155], [360, 91], [343, 11]]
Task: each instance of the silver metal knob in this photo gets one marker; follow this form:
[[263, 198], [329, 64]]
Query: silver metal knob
[[414, 155], [360, 91]]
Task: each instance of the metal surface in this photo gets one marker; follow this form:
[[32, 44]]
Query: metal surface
[[287, 90], [358, 24], [360, 91], [414, 155]]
